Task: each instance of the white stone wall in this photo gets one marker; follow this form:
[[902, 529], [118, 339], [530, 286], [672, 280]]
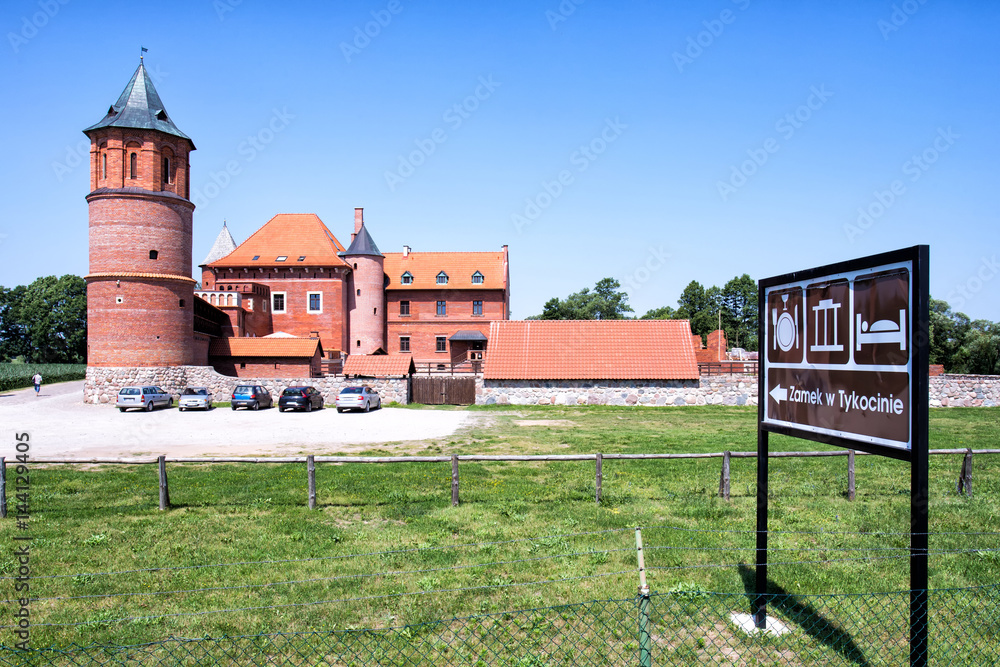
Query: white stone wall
[[964, 391], [717, 390], [102, 384]]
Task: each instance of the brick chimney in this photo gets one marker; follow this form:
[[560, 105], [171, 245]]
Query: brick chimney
[[359, 219]]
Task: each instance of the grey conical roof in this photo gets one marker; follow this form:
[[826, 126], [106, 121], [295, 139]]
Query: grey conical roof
[[224, 244], [139, 106], [362, 245]]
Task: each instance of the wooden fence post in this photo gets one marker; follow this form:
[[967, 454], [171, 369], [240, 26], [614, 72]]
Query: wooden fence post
[[164, 490], [724, 476], [454, 480], [311, 469], [599, 478], [850, 474], [3, 487], [965, 476]]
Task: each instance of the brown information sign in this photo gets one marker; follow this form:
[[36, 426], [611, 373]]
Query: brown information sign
[[837, 353]]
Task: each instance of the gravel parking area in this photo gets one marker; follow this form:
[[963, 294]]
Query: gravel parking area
[[61, 425]]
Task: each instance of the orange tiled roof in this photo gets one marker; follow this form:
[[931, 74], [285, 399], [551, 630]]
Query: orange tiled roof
[[290, 235], [379, 365], [263, 347], [590, 350], [425, 266]]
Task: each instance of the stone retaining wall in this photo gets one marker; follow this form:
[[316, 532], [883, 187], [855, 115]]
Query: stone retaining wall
[[102, 384], [965, 391], [716, 390]]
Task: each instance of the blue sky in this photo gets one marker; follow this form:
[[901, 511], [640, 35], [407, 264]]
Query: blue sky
[[653, 142]]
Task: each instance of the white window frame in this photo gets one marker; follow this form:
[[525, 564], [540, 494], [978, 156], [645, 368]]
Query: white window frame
[[482, 278], [309, 298], [438, 279], [403, 278], [284, 298]]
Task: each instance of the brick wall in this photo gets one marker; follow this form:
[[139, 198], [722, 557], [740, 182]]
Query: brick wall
[[366, 305], [267, 367], [423, 324]]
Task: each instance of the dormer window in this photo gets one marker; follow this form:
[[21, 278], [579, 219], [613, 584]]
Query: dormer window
[[407, 278], [442, 278], [281, 258], [477, 278]]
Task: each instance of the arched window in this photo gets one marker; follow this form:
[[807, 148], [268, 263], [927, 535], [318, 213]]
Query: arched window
[[167, 176], [133, 166]]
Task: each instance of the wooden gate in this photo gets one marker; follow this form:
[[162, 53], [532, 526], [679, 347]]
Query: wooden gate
[[444, 391]]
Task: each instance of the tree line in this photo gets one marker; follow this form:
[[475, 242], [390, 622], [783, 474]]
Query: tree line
[[960, 344], [44, 322]]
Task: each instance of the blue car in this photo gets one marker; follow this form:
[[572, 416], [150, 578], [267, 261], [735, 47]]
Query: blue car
[[252, 397]]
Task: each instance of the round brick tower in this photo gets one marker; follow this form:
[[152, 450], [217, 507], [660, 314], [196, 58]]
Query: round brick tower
[[366, 299], [140, 294]]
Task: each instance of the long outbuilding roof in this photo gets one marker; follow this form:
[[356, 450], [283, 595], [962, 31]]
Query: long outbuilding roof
[[590, 350]]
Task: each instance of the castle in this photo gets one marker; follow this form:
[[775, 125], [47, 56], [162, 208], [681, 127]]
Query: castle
[[288, 298]]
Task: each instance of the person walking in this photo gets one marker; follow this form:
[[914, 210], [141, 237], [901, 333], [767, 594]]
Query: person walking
[[36, 379]]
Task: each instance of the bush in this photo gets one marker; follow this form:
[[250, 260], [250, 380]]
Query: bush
[[16, 376]]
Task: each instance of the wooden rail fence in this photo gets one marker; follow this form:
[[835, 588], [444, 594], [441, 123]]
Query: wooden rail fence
[[963, 484]]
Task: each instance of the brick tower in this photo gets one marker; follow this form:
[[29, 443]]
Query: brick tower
[[366, 298], [140, 294]]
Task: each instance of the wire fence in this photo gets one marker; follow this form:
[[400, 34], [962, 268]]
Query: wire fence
[[683, 628]]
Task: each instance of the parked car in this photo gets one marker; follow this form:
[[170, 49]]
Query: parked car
[[143, 398], [358, 398], [252, 396], [300, 398], [196, 398]]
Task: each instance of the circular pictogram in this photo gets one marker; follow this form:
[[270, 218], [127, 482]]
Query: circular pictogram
[[785, 331]]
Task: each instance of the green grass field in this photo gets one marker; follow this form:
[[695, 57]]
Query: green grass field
[[385, 548], [16, 376]]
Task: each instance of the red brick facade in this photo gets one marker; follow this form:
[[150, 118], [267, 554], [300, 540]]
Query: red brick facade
[[423, 325], [267, 367]]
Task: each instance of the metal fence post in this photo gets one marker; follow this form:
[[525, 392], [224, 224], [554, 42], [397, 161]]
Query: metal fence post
[[454, 480], [724, 476], [311, 470], [965, 476], [3, 487], [164, 490], [598, 477], [850, 474], [645, 641]]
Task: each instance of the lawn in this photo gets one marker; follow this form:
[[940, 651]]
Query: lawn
[[239, 552]]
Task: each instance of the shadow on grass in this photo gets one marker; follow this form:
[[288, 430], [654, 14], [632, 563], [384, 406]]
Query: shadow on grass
[[805, 616]]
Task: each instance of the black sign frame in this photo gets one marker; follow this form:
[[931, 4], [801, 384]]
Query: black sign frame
[[917, 453]]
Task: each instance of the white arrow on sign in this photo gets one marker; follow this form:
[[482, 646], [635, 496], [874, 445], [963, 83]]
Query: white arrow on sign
[[779, 394]]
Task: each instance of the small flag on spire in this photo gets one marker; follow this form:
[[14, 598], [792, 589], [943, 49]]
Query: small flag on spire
[[144, 49]]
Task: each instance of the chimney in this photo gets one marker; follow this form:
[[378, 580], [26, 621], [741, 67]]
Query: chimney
[[406, 251], [314, 334], [359, 219]]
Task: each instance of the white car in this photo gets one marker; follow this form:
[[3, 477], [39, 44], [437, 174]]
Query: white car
[[143, 398], [358, 398], [198, 398]]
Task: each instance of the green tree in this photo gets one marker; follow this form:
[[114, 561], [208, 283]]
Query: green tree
[[46, 321], [739, 312], [605, 302], [662, 313]]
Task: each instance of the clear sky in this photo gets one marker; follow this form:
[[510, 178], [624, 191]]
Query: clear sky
[[653, 142]]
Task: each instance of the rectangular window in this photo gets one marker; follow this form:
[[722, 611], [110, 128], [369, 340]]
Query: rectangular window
[[278, 302], [404, 343], [442, 307], [404, 308], [315, 302], [442, 343], [477, 307]]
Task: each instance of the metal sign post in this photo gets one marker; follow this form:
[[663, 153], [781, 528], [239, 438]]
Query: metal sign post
[[844, 354]]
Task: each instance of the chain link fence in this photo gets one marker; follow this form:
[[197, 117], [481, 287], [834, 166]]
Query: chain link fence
[[683, 628]]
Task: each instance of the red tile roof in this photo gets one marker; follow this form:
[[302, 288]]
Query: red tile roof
[[263, 347], [590, 350], [425, 266], [379, 365], [291, 235]]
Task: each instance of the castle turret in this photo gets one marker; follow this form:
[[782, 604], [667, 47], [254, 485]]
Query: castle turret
[[140, 294], [366, 299]]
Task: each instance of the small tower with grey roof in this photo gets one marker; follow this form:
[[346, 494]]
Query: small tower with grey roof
[[366, 298], [140, 293]]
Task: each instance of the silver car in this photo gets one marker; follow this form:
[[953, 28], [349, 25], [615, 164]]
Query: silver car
[[195, 398], [358, 398], [143, 398]]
